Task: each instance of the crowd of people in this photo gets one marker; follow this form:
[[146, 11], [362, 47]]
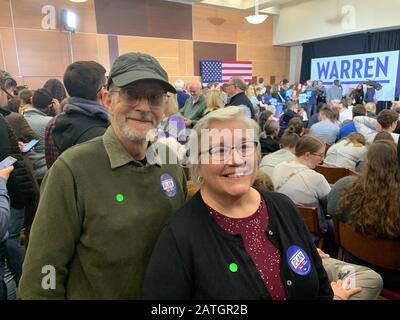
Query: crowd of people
[[107, 221]]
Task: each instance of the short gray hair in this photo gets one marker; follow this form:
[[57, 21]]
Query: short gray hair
[[220, 115]]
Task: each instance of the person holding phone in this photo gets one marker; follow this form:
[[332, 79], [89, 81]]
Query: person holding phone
[[38, 117], [4, 221]]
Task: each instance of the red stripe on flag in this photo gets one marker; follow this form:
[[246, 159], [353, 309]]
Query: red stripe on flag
[[236, 74], [233, 61], [237, 68]]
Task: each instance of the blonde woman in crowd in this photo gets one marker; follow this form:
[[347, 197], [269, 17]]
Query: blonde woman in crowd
[[371, 110], [214, 101]]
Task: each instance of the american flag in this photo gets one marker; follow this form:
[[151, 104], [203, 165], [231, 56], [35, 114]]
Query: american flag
[[222, 71]]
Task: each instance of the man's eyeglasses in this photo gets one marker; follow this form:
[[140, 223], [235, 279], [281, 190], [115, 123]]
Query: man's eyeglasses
[[155, 100], [9, 95], [222, 153]]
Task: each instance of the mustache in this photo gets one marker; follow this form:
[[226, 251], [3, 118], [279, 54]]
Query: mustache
[[145, 117]]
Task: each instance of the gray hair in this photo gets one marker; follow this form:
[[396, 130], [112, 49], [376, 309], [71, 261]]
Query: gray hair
[[220, 115], [179, 84], [270, 126], [270, 108]]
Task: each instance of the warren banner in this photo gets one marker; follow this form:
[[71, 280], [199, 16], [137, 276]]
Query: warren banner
[[382, 67]]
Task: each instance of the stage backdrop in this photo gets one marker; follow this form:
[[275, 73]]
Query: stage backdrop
[[348, 45], [382, 67]]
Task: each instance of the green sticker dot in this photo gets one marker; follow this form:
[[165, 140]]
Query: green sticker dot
[[233, 267], [119, 197]]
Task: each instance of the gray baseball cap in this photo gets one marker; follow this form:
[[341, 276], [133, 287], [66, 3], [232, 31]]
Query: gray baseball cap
[[135, 66]]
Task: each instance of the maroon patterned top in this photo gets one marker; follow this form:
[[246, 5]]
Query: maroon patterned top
[[264, 254]]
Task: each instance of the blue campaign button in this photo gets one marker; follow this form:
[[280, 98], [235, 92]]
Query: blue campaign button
[[168, 185], [298, 260]]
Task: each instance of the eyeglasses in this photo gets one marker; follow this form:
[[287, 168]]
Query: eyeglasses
[[10, 96], [132, 97], [321, 155], [221, 153]]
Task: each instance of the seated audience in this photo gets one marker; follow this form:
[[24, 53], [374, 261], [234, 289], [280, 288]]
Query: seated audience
[[286, 153], [346, 129], [386, 121], [194, 106], [344, 113], [269, 137], [325, 129], [214, 101], [215, 246], [296, 126], [347, 152], [371, 109], [172, 127], [182, 96], [297, 179], [367, 202], [292, 110]]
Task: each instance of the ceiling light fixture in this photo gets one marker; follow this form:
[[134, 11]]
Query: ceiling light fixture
[[256, 18], [78, 1]]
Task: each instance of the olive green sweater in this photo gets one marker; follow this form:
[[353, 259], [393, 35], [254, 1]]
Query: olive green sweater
[[98, 219]]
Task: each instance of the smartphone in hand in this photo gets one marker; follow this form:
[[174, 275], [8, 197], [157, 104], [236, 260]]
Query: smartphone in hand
[[7, 162], [29, 145]]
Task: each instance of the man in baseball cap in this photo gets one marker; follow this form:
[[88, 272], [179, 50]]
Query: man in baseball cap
[[103, 205]]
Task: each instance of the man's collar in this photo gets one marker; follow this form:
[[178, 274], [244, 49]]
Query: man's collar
[[117, 153]]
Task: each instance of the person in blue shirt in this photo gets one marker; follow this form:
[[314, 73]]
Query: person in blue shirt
[[358, 110]]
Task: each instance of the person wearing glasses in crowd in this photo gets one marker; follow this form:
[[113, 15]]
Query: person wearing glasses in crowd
[[84, 116], [103, 204], [194, 106], [298, 180], [231, 241]]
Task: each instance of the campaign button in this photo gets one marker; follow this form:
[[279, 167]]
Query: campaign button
[[298, 260]]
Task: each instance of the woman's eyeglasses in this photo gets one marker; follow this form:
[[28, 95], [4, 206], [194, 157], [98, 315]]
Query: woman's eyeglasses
[[222, 152]]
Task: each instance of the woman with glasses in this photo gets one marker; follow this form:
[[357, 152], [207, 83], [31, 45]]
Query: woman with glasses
[[298, 180], [231, 241]]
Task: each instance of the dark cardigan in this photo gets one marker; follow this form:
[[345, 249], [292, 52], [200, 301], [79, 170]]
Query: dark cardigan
[[192, 257]]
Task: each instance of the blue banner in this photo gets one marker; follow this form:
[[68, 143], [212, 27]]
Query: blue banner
[[381, 67]]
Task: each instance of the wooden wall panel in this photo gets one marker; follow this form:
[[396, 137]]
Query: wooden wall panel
[[176, 56], [212, 51], [2, 58], [235, 29], [5, 14], [85, 47], [9, 53], [146, 18], [267, 60], [102, 51], [185, 56], [28, 13], [37, 82], [48, 52]]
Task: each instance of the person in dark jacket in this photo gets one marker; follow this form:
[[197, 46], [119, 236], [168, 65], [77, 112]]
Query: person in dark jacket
[[83, 117], [292, 109], [231, 241], [236, 89]]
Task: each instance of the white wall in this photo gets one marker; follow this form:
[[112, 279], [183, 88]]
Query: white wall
[[306, 20]]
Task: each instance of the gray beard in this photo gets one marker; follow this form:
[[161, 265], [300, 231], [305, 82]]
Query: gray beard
[[124, 129]]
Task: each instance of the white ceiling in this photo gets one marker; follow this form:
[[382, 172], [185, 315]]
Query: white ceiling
[[266, 6]]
